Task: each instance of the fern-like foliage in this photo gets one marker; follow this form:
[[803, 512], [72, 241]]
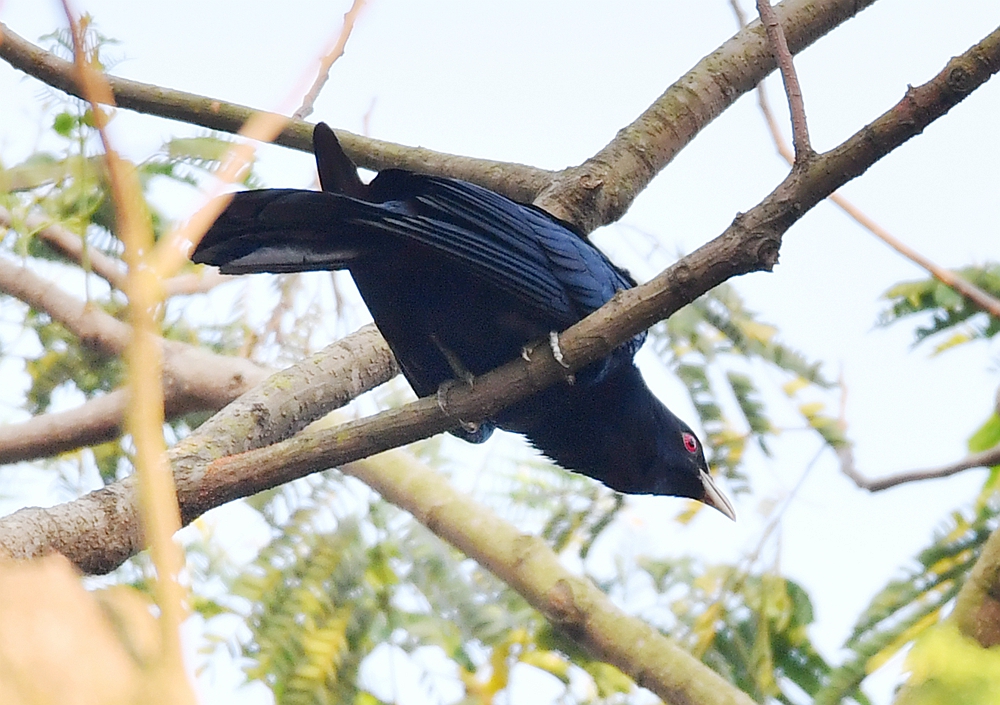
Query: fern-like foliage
[[943, 309], [912, 603], [718, 349], [751, 626]]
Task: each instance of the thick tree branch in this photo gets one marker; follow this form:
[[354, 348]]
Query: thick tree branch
[[517, 181], [194, 379], [570, 603], [983, 299], [984, 459], [595, 193], [101, 530], [977, 607], [751, 243], [601, 189], [95, 328]]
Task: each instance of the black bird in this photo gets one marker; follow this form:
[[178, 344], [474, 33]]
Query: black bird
[[460, 280]]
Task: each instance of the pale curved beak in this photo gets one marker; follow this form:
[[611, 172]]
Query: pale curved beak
[[714, 498]]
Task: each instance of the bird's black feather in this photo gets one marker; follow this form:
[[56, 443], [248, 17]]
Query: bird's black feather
[[459, 280]]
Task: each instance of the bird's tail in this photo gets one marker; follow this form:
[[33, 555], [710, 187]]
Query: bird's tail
[[288, 230]]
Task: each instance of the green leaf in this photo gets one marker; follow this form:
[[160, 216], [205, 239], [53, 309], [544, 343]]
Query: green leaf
[[986, 436], [64, 123], [947, 667]]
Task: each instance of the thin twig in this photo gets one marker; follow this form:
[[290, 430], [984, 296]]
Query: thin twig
[[983, 299], [305, 110], [776, 38], [985, 459], [751, 243], [161, 514]]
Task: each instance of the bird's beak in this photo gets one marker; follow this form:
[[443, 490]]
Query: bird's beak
[[714, 498]]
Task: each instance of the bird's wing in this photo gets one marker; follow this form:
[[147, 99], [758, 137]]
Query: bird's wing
[[518, 249], [514, 249]]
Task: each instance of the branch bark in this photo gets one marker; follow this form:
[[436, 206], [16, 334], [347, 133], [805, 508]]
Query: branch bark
[[977, 607], [570, 603], [984, 459], [100, 530], [517, 181], [592, 194], [751, 243], [194, 379], [601, 189]]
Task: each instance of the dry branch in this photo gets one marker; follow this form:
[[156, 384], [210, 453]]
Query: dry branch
[[517, 181], [751, 243], [984, 459], [796, 107], [594, 193]]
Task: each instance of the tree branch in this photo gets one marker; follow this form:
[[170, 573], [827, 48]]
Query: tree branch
[[592, 194], [601, 189], [983, 299], [71, 246], [977, 607], [100, 530], [327, 61], [110, 269], [796, 107], [984, 459], [95, 328], [517, 181], [751, 243], [194, 379], [571, 603]]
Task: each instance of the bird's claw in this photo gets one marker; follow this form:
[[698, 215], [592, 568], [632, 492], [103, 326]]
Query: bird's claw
[[441, 396], [558, 355]]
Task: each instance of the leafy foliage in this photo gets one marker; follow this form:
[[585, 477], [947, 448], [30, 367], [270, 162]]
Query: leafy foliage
[[713, 345], [947, 667], [911, 604], [946, 309], [752, 627]]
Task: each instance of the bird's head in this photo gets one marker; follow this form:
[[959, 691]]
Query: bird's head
[[684, 471]]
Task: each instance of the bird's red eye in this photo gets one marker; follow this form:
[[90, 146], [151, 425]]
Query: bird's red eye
[[690, 442]]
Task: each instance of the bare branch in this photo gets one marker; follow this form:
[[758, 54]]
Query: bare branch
[[983, 299], [985, 459], [980, 298], [601, 189], [100, 530], [517, 181], [327, 61], [110, 269], [195, 379], [595, 193], [94, 327], [199, 282], [71, 246], [96, 421], [572, 604], [779, 45], [751, 243]]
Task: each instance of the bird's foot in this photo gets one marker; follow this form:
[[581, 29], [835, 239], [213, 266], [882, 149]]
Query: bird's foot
[[442, 401], [558, 355]]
